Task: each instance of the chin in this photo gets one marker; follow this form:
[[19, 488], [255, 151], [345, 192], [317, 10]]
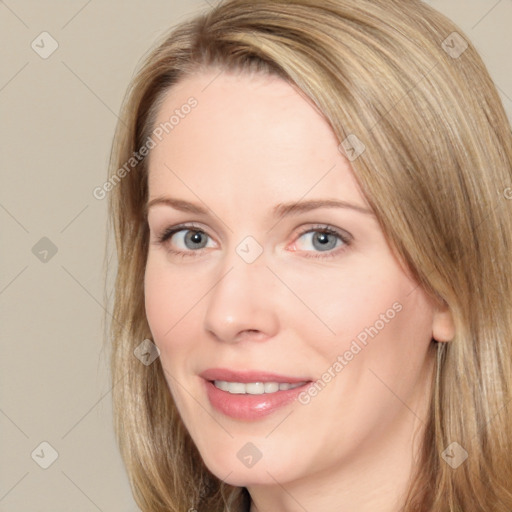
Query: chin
[[234, 472]]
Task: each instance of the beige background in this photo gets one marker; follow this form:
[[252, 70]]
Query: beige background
[[58, 116]]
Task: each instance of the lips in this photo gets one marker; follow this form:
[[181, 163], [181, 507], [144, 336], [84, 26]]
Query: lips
[[229, 392], [247, 376]]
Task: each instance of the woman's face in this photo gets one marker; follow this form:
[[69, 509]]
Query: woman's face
[[277, 273]]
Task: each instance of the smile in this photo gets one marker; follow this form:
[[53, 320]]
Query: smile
[[255, 388]]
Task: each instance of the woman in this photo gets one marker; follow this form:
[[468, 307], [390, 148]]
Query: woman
[[310, 201]]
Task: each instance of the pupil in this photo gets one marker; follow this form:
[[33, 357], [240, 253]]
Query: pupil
[[195, 237], [323, 240]]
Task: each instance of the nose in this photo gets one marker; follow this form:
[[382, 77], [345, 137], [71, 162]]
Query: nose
[[242, 304]]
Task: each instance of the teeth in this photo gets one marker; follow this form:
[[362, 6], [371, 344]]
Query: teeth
[[254, 388], [271, 387]]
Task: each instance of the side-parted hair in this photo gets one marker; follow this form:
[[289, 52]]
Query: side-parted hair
[[401, 83]]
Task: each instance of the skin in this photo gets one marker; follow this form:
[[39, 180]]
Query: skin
[[253, 142]]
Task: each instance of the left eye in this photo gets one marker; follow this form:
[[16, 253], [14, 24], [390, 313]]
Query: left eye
[[321, 240]]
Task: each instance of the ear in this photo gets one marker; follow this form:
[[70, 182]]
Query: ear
[[443, 326]]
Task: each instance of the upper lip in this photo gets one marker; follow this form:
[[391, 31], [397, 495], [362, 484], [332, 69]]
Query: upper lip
[[246, 376]]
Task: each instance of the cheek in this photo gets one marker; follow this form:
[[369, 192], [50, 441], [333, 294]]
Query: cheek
[[376, 362], [348, 300], [169, 302], [176, 302], [158, 302], [383, 338], [169, 307], [375, 317]]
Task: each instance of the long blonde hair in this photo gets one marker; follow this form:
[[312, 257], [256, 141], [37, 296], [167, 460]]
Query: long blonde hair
[[405, 85]]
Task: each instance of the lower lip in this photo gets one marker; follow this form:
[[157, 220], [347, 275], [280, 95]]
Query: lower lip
[[250, 407]]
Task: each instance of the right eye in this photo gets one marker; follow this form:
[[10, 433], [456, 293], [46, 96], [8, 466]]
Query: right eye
[[184, 240]]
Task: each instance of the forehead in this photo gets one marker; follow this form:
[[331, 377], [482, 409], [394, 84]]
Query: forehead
[[246, 130], [231, 107]]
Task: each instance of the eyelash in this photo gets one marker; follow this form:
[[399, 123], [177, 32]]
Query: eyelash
[[346, 239]]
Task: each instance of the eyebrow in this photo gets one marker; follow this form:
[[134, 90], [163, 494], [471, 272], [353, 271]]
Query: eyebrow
[[280, 210]]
